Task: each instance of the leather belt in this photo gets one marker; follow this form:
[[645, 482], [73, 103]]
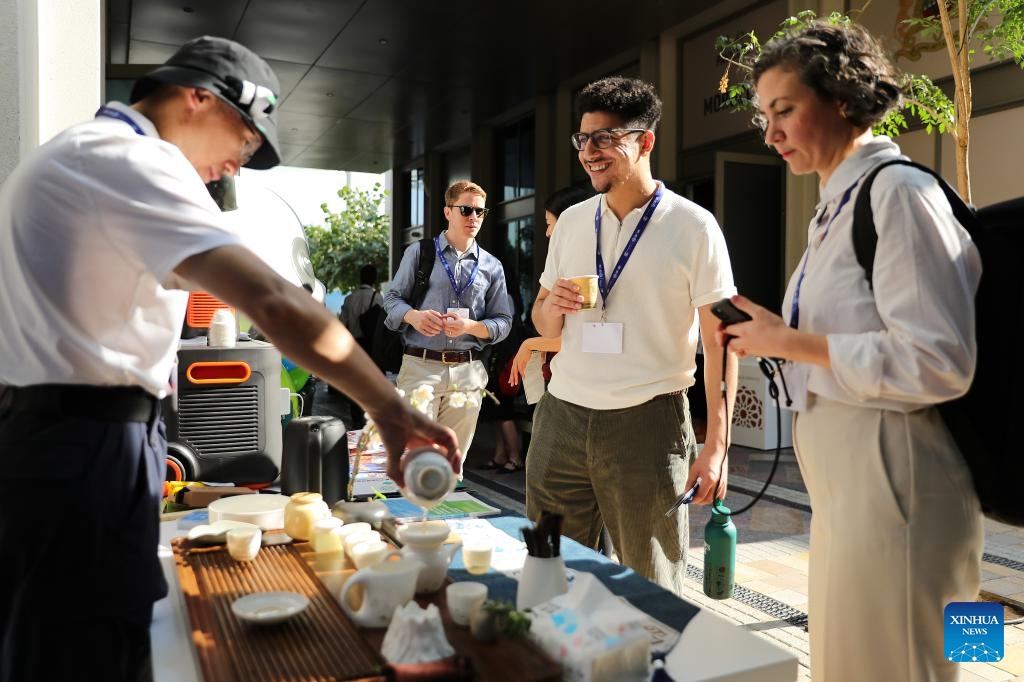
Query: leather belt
[[102, 403], [448, 357]]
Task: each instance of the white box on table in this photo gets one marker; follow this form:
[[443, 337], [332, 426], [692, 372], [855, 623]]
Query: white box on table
[[754, 419]]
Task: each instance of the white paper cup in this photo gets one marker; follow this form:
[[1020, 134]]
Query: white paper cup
[[462, 598], [476, 555], [244, 543]]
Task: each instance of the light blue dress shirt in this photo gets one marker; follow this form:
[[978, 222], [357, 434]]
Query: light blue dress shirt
[[487, 298]]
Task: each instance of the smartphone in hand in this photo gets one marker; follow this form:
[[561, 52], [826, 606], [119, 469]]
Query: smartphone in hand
[[728, 313]]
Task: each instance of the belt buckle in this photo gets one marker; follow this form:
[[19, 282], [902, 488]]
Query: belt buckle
[[446, 361]]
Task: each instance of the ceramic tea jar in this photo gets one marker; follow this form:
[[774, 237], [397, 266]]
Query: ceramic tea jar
[[301, 512]]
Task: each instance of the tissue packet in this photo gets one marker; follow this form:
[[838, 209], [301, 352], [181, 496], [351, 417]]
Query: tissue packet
[[593, 634]]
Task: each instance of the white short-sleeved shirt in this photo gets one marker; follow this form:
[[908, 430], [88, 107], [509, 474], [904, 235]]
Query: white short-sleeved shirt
[[679, 264], [91, 224], [909, 342]]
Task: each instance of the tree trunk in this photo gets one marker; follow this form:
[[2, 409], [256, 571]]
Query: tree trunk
[[963, 169]]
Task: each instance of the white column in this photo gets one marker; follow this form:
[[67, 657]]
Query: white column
[[51, 69]]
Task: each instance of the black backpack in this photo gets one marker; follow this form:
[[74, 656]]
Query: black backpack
[[987, 421], [385, 346]]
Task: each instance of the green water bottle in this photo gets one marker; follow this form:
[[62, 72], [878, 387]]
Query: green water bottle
[[719, 553]]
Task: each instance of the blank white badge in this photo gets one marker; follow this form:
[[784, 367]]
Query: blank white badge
[[602, 337], [461, 312]]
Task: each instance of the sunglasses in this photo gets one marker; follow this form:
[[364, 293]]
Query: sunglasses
[[602, 138], [465, 211]]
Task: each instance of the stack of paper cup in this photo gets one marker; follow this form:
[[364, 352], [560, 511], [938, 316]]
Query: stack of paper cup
[[222, 329]]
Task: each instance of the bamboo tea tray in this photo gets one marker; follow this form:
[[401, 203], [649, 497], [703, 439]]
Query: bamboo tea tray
[[320, 643]]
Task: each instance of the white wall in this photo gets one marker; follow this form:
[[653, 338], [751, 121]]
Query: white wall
[[51, 53]]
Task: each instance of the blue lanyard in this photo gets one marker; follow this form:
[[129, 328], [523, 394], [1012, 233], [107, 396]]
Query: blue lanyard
[[606, 288], [451, 275], [794, 311], [120, 116]]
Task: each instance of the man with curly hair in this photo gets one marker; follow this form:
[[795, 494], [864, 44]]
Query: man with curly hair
[[613, 443]]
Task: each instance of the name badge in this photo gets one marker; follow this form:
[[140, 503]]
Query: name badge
[[602, 337], [461, 312]]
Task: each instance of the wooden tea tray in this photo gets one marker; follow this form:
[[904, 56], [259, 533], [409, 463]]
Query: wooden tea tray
[[320, 643]]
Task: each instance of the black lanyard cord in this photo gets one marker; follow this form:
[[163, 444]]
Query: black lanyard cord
[[770, 373]]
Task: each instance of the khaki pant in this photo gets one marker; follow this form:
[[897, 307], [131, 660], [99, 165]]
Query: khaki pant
[[466, 377], [620, 468], [896, 534]]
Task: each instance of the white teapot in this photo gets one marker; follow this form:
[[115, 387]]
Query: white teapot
[[424, 541]]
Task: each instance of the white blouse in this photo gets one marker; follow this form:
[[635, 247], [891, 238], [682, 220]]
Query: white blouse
[[910, 342]]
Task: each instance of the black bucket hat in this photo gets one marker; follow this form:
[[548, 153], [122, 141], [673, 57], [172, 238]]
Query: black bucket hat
[[235, 74]]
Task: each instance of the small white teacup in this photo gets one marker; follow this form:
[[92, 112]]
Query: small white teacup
[[244, 543], [476, 555], [462, 598], [324, 539], [353, 539], [370, 552]]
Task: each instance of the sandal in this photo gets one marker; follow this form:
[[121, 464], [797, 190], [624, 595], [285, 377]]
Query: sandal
[[491, 464], [509, 468]]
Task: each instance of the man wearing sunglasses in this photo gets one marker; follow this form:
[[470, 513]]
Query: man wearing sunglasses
[[466, 308], [612, 443], [102, 230]]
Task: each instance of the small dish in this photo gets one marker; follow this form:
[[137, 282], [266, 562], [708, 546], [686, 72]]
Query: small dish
[[265, 608], [215, 533]]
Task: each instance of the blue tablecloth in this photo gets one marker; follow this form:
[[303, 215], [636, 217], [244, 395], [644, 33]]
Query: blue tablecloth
[[620, 580]]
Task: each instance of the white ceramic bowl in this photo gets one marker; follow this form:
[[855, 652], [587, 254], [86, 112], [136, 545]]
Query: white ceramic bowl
[[265, 511]]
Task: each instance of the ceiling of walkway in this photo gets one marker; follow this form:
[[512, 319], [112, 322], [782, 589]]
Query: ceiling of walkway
[[368, 84]]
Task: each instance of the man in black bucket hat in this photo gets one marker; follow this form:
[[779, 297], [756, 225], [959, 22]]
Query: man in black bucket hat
[[102, 231]]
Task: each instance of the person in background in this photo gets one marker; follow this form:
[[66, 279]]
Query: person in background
[[897, 531], [553, 207], [507, 457], [357, 303], [466, 307], [612, 441], [102, 230]]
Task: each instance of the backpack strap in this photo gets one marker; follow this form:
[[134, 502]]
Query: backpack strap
[[865, 237], [425, 264]]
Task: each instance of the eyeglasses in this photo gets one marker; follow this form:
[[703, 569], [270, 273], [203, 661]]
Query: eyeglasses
[[467, 210], [251, 145], [602, 138]]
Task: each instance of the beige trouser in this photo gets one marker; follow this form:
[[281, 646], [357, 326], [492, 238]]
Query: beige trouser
[[896, 534], [466, 377]]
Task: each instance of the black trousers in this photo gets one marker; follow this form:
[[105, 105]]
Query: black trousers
[[79, 527]]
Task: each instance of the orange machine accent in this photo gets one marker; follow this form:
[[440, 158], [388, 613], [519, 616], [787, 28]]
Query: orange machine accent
[[218, 372], [201, 307]]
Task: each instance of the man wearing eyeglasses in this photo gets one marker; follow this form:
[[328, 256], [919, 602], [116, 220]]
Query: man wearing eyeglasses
[[466, 308], [101, 231], [613, 443]]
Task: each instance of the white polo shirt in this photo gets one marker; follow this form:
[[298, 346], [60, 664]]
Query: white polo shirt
[[679, 264], [91, 224]]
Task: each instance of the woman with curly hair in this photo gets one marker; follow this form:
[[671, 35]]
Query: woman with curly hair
[[896, 531]]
